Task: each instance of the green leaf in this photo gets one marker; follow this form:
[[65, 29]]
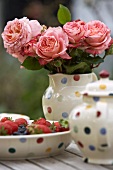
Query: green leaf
[[57, 63], [63, 14], [109, 51], [31, 63], [92, 60], [80, 68]]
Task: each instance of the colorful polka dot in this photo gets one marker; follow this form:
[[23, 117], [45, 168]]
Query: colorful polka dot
[[96, 99], [87, 130], [80, 144], [77, 114], [76, 77], [23, 140], [65, 115], [110, 94], [77, 94], [64, 80], [49, 96], [49, 109], [92, 148], [103, 131], [60, 145], [75, 129], [60, 98], [98, 114], [48, 150], [88, 106], [102, 87], [40, 140], [12, 150]]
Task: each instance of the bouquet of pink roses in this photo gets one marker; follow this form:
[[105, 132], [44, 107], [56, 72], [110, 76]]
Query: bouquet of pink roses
[[71, 48]]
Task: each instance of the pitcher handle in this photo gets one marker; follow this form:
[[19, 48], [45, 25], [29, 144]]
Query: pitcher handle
[[94, 77], [103, 141]]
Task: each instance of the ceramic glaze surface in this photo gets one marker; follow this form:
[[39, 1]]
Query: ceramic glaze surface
[[63, 94], [91, 123]]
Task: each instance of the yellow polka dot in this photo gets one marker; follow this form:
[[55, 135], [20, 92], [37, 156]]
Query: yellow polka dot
[[102, 86], [77, 94], [48, 150], [88, 106]]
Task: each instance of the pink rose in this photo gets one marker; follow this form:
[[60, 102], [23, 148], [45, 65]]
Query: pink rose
[[52, 44], [75, 30], [97, 37], [19, 32]]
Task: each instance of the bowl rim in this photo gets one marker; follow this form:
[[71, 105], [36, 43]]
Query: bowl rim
[[43, 135]]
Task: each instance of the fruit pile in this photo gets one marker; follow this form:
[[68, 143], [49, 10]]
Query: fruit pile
[[20, 126]]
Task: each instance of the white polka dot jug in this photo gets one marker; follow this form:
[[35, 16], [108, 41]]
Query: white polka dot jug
[[91, 123], [63, 94]]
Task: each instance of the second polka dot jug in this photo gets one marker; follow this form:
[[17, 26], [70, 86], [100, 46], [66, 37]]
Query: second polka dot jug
[[63, 94], [91, 123]]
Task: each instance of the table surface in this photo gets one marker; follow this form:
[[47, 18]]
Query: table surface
[[70, 159]]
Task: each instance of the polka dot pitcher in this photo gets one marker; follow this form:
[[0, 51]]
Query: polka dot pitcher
[[91, 123], [63, 94]]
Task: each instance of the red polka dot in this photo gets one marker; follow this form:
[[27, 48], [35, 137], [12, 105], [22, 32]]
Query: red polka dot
[[40, 140], [98, 113], [77, 114], [76, 77], [49, 109], [80, 144]]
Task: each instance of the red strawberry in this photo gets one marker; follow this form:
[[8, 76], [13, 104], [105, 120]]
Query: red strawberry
[[38, 129], [21, 121], [13, 125], [5, 118], [5, 129], [42, 121], [57, 127]]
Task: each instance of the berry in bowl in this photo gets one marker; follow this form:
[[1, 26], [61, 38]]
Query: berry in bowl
[[34, 139]]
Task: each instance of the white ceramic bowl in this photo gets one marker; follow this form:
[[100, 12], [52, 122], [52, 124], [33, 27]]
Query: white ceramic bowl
[[33, 146], [14, 116]]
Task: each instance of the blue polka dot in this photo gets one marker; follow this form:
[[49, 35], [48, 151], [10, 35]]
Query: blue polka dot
[[91, 147], [49, 95], [64, 80], [103, 131], [96, 99], [64, 114], [23, 140]]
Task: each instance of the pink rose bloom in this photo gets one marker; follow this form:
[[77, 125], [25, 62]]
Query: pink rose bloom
[[52, 44], [97, 37], [75, 30], [19, 32]]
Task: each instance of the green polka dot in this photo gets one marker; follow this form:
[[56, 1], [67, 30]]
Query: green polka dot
[[60, 98], [75, 129], [60, 145], [12, 150]]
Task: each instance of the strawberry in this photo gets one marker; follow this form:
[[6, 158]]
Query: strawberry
[[13, 125], [60, 126], [64, 125], [5, 129], [38, 129], [21, 121], [42, 121], [5, 118]]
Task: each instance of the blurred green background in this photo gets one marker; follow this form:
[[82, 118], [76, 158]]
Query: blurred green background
[[21, 90]]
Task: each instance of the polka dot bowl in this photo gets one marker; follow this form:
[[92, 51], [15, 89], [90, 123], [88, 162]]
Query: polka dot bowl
[[33, 146]]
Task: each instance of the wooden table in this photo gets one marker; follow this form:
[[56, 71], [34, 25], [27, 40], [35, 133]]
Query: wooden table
[[70, 159]]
